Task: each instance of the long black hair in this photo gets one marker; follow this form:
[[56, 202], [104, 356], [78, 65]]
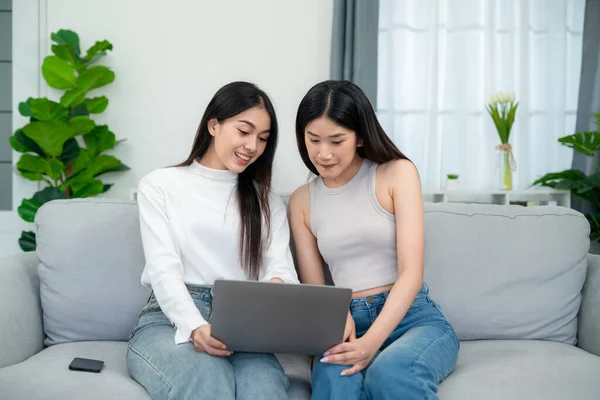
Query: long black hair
[[346, 104], [253, 199]]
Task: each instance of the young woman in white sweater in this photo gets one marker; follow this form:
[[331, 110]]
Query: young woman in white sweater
[[210, 217]]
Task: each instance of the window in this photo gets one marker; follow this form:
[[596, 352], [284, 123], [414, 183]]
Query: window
[[5, 105], [439, 61]]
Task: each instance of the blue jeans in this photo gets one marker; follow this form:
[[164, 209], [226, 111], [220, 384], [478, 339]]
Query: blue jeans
[[170, 371], [416, 357]]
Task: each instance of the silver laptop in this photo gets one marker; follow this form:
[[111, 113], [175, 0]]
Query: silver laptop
[[284, 318]]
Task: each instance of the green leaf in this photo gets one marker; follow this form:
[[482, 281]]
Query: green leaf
[[569, 178], [29, 207], [27, 241], [121, 168], [78, 170], [31, 163], [596, 119], [70, 151], [81, 125], [24, 109], [107, 187], [48, 194], [21, 143], [99, 140], [96, 105], [67, 52], [49, 135], [583, 142], [592, 182], [510, 119], [37, 165], [79, 181], [92, 188], [16, 145], [594, 220], [47, 110], [55, 167], [102, 164], [498, 122], [64, 37], [79, 110], [58, 73], [81, 162], [73, 97], [95, 77], [32, 176], [98, 50]]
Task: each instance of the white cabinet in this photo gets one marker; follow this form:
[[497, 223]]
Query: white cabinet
[[530, 197]]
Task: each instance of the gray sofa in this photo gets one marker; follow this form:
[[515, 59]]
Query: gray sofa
[[517, 283]]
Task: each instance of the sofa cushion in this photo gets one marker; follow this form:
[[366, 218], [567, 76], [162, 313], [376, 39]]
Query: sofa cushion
[[507, 272], [91, 260], [47, 376], [522, 369]]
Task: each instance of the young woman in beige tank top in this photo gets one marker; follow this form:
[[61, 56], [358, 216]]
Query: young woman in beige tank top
[[363, 214]]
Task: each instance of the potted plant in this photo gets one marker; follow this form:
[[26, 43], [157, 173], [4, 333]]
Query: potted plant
[[503, 108], [452, 182], [583, 186], [61, 146]]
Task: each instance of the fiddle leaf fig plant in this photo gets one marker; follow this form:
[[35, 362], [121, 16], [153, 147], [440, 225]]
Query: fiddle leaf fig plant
[[583, 186], [62, 146]]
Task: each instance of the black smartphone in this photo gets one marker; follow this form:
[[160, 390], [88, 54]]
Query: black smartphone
[[86, 364]]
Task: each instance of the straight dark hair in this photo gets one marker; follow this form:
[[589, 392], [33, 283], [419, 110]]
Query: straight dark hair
[[346, 104], [254, 184]]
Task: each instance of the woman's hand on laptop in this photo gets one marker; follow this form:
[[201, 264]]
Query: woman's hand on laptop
[[358, 353], [276, 280], [203, 342]]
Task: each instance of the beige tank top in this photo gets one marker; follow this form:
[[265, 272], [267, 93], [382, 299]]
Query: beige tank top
[[355, 234]]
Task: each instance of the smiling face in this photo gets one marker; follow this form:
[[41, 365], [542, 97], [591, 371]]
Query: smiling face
[[331, 148], [238, 141]]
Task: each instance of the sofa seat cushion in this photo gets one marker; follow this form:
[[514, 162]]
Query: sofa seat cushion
[[523, 369], [47, 376]]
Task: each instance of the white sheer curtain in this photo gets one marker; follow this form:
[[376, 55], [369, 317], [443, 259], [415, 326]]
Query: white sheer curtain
[[439, 61]]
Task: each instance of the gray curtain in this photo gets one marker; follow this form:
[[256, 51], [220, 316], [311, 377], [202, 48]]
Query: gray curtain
[[354, 44], [589, 90]]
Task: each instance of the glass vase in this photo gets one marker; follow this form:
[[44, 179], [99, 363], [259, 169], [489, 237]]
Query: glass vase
[[506, 172]]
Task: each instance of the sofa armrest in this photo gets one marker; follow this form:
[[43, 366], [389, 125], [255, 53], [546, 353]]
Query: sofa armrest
[[21, 331], [588, 332]]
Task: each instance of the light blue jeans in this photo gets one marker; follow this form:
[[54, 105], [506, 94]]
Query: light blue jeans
[[417, 356], [170, 371]]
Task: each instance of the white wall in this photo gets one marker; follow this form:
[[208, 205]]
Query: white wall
[[170, 57], [26, 82]]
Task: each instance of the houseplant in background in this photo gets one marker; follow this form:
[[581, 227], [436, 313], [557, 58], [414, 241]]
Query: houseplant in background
[[503, 108], [62, 146], [452, 182], [582, 186]]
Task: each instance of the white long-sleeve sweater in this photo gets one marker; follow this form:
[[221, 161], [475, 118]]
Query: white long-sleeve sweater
[[190, 228]]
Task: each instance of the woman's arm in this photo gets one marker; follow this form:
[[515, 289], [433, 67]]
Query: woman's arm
[[408, 208], [405, 190], [310, 265], [163, 262], [278, 265]]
